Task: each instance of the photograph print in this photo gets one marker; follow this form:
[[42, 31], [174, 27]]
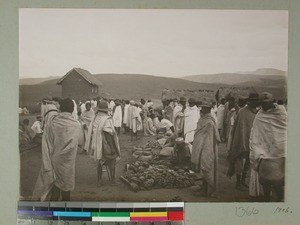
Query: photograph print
[[134, 105]]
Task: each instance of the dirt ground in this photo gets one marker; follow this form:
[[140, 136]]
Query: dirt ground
[[86, 179]]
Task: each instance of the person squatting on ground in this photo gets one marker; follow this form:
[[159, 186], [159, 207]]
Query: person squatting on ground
[[205, 150], [238, 154], [268, 149], [102, 142], [59, 149]]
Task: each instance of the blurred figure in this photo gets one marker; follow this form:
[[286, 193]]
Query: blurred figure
[[149, 128], [59, 149], [37, 129]]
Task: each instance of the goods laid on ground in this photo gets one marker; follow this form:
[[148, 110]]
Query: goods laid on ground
[[142, 175], [236, 92], [198, 95]]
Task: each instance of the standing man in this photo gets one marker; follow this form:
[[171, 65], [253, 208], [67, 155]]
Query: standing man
[[205, 150], [268, 142], [102, 142], [59, 150], [238, 155], [168, 111], [191, 117], [178, 117], [220, 116], [86, 118], [117, 116], [126, 117]]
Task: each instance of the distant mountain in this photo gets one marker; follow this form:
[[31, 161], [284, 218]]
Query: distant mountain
[[265, 71], [261, 77]]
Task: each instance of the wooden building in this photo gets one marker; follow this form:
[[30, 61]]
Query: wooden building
[[80, 85]]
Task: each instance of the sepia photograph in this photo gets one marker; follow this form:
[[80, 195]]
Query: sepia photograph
[[155, 105]]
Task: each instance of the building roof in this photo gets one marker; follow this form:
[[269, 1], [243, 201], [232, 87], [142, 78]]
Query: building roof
[[85, 74]]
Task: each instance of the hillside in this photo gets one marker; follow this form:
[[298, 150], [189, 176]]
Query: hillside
[[262, 77], [33, 81], [135, 86], [124, 86]]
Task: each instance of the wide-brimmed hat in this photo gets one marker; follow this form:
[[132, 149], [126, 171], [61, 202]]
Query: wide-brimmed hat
[[253, 96], [205, 104], [192, 100], [266, 97], [102, 106], [182, 99]]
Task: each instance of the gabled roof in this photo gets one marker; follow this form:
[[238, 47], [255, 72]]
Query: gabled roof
[[85, 74]]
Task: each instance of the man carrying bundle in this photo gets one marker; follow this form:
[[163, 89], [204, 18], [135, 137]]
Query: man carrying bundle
[[59, 150], [102, 142]]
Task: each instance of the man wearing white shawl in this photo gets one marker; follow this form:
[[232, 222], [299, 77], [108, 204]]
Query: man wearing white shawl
[[268, 141], [75, 111], [126, 117], [117, 116], [178, 117], [86, 117], [102, 142], [59, 149], [191, 115]]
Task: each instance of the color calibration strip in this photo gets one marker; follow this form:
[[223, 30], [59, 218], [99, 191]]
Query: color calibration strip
[[102, 212]]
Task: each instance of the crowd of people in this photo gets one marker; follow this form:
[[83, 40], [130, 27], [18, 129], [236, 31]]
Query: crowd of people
[[254, 130]]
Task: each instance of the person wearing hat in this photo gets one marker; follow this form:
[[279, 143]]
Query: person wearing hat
[[205, 150], [117, 116], [268, 144], [191, 117], [238, 154], [59, 150], [102, 141], [178, 116]]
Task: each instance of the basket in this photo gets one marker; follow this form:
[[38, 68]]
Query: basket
[[272, 171]]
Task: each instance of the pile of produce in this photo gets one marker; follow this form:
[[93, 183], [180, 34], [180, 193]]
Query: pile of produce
[[142, 175], [153, 145]]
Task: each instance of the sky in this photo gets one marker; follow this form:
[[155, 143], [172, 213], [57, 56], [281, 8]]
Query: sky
[[161, 42]]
